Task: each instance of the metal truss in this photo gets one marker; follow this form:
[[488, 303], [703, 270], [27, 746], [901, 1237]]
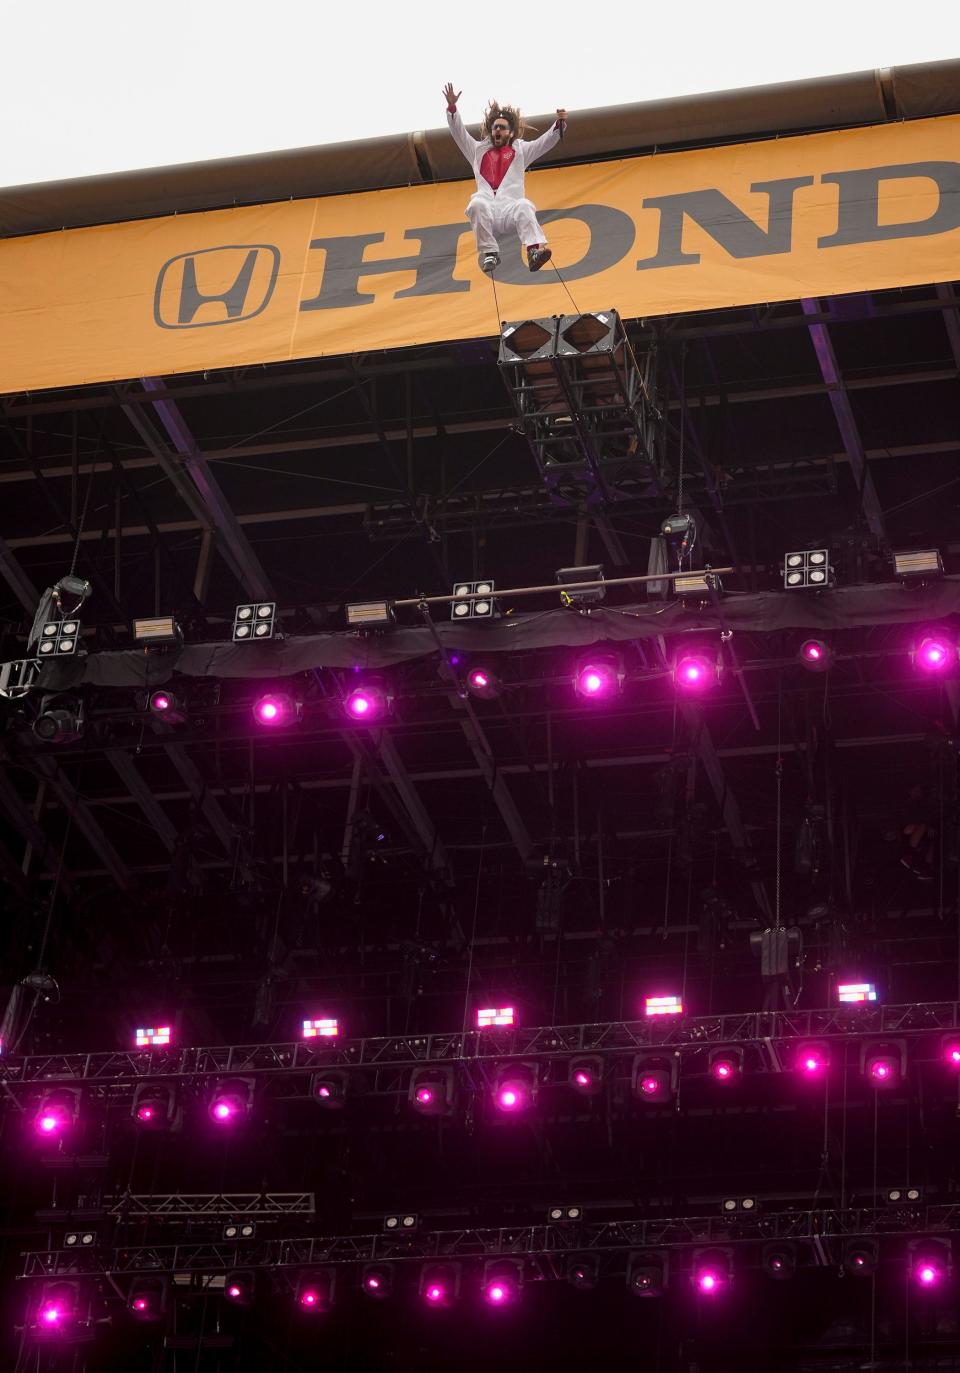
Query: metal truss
[[208, 1205], [769, 1035], [540, 1244]]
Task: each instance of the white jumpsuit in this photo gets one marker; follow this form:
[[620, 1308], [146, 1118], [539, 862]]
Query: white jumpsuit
[[494, 211]]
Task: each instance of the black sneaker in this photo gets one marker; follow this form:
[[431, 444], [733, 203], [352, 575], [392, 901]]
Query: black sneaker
[[536, 257], [489, 263]]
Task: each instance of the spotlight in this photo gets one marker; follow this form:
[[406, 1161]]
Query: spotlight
[[231, 1100], [315, 1290], [162, 629], [583, 1272], [240, 1230], [79, 1239], [663, 1005], [950, 1049], [810, 568], [725, 1065], [693, 672], [483, 683], [711, 1271], [694, 586], [647, 1274], [276, 709], [432, 1091], [155, 1107], [255, 621], [588, 595], [151, 1037], [502, 1280], [492, 1016], [376, 1281], [58, 638], [935, 654], [167, 706], [654, 1079], [898, 1195], [402, 1220], [860, 1258], [369, 615], [918, 565], [883, 1065], [931, 1262], [57, 1309], [365, 704], [558, 1215], [812, 1060], [474, 601], [856, 993], [147, 1299], [585, 1075], [329, 1089], [57, 1113], [440, 1283], [815, 655], [240, 1288], [779, 1261], [598, 678], [515, 1087], [748, 1205], [60, 721], [325, 1028]]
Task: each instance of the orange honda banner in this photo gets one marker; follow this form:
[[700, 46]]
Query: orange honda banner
[[852, 210]]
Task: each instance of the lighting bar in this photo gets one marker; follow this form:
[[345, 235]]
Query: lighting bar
[[663, 1005], [147, 1037], [162, 629], [324, 1028], [855, 993], [474, 601], [492, 1016], [922, 563], [369, 614]]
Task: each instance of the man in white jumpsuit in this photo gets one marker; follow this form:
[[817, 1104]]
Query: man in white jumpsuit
[[499, 160]]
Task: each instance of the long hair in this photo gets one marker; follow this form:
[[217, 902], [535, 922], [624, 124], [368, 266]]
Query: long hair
[[510, 113]]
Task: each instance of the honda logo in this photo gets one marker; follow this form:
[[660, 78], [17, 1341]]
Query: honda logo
[[216, 286]]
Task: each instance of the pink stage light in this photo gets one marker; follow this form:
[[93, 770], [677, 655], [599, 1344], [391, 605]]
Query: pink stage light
[[695, 672], [511, 1096], [927, 1274], [234, 1292], [149, 1037], [597, 679], [484, 683], [491, 1016], [951, 1054], [310, 1298], [815, 655], [425, 1096], [883, 1069], [274, 709], [52, 1118], [435, 1292], [663, 1005], [324, 1028], [160, 702], [725, 1068], [935, 654], [582, 1078], [497, 1293], [141, 1304], [365, 704], [856, 993], [650, 1086], [811, 1060], [51, 1315], [146, 1113]]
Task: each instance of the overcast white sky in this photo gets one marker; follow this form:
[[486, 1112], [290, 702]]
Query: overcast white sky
[[107, 85]]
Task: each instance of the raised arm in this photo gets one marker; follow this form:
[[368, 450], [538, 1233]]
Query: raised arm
[[538, 146], [464, 141]]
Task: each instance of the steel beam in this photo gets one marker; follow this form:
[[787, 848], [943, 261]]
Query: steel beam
[[126, 770], [209, 805], [44, 766], [727, 802], [18, 581], [846, 421], [232, 541], [479, 746]]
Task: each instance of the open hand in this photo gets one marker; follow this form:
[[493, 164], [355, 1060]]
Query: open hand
[[451, 96]]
